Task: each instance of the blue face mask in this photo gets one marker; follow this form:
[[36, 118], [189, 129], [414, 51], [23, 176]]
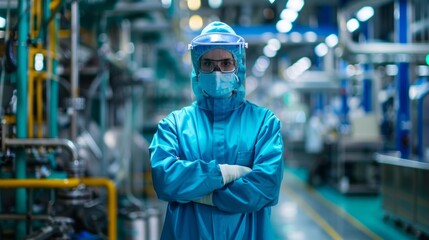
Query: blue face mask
[[217, 84]]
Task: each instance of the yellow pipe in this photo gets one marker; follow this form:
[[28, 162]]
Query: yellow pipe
[[72, 183], [54, 4], [39, 183], [39, 16], [111, 201]]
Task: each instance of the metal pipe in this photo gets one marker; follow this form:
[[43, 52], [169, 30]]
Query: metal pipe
[[11, 216], [373, 48], [22, 110], [53, 83], [111, 201], [42, 142], [74, 65], [72, 183]]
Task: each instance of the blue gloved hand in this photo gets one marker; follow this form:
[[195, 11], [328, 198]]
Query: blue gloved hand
[[232, 172]]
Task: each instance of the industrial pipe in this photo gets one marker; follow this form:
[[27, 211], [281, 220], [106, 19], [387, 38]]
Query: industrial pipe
[[373, 48], [72, 183], [74, 66], [41, 142], [20, 163]]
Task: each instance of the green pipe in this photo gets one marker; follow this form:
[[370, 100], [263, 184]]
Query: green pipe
[[53, 104], [103, 117], [103, 114], [21, 114]]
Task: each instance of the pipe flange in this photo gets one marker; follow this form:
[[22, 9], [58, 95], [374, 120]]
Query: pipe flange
[[76, 196]]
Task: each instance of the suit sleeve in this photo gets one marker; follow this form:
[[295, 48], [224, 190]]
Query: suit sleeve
[[179, 180], [259, 188]]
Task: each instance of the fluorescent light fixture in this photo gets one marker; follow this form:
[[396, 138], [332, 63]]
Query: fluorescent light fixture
[[195, 22], [352, 25], [298, 68], [295, 37], [262, 63], [2, 22], [269, 52], [303, 64], [215, 3], [272, 1], [310, 36], [321, 49], [284, 26], [365, 13], [289, 14], [331, 40], [194, 4], [39, 62], [274, 44], [166, 3], [295, 5]]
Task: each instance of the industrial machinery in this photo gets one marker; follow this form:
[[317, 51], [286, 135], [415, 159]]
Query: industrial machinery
[[69, 168], [403, 171]]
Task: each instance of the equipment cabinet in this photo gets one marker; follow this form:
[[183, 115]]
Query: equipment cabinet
[[354, 169]]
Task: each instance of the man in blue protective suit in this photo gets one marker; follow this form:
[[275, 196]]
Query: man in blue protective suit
[[219, 161]]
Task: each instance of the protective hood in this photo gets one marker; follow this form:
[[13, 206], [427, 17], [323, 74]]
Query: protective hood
[[213, 36]]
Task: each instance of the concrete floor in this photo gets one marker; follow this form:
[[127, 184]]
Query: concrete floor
[[304, 212]]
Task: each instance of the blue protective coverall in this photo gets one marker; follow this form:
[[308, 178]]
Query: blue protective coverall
[[186, 152]]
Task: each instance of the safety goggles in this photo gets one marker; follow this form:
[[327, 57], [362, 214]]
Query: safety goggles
[[224, 65]]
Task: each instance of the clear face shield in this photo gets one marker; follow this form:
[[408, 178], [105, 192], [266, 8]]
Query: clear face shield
[[218, 77], [218, 39]]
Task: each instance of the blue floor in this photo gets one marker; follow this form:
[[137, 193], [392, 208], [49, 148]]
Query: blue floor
[[304, 212]]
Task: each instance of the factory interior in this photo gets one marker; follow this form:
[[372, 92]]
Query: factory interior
[[84, 84]]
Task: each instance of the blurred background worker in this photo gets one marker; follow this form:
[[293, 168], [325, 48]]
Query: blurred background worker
[[219, 161]]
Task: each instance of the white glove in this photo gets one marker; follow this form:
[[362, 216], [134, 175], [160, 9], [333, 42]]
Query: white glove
[[232, 172], [207, 200]]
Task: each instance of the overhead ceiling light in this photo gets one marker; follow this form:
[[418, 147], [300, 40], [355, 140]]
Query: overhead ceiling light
[[166, 3], [194, 4], [310, 36], [215, 3], [295, 5], [321, 49], [296, 37], [365, 13], [289, 14], [195, 22], [274, 44], [262, 63], [331, 40], [269, 52], [2, 22], [284, 26], [298, 68], [352, 25]]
